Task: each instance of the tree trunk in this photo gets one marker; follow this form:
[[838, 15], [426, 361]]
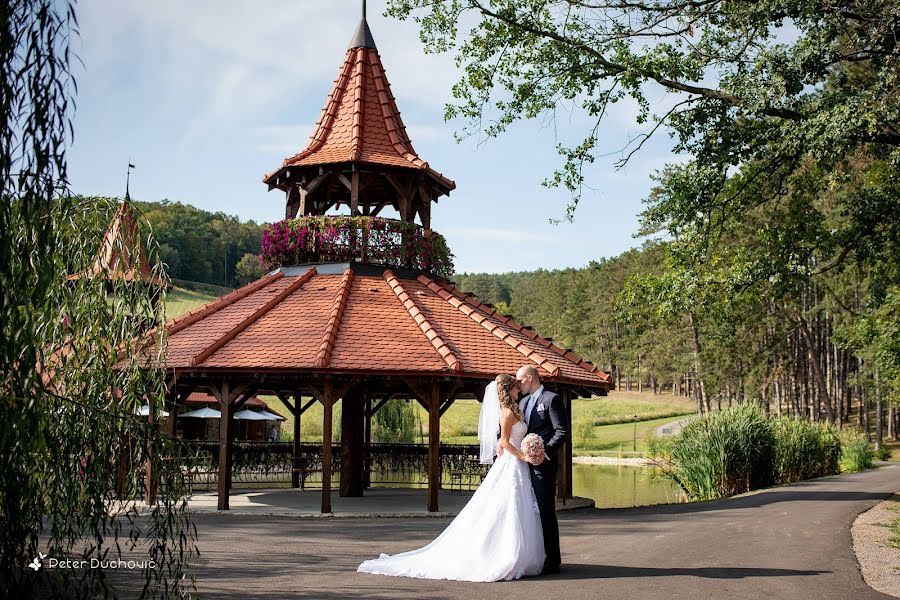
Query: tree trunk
[[695, 336], [821, 384], [879, 414]]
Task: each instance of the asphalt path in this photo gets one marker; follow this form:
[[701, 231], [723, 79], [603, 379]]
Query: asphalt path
[[789, 542]]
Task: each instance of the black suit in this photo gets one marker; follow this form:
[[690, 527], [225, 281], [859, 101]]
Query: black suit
[[548, 420]]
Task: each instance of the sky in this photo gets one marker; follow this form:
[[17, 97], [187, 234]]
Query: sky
[[205, 97]]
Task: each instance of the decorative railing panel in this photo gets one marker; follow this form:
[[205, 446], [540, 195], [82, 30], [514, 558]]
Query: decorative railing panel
[[372, 240], [259, 464]]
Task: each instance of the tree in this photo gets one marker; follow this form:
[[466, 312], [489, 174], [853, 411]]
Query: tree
[[73, 360], [248, 269]]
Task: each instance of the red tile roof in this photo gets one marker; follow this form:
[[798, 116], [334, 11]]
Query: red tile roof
[[122, 254], [364, 320], [361, 123]]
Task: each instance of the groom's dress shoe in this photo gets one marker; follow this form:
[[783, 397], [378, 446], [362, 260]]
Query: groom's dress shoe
[[550, 570]]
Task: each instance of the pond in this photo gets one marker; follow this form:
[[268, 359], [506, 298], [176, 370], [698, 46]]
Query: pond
[[615, 486]]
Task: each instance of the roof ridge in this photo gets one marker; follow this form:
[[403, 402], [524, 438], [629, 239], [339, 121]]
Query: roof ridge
[[198, 314], [221, 341], [462, 306], [326, 347], [565, 353], [359, 95], [425, 326]]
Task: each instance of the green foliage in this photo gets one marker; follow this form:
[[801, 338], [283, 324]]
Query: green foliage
[[740, 449], [876, 338], [74, 365], [804, 450], [197, 245], [783, 216], [584, 433], [395, 423], [856, 452], [722, 454], [248, 269]]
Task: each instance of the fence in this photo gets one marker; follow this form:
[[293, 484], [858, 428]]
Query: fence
[[270, 464]]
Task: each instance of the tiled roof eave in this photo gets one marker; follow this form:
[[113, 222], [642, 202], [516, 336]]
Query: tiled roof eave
[[446, 372]]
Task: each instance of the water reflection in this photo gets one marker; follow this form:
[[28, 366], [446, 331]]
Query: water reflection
[[613, 486]]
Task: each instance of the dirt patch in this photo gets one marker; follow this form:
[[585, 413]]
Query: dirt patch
[[878, 559]]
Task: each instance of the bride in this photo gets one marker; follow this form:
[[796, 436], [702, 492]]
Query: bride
[[497, 535]]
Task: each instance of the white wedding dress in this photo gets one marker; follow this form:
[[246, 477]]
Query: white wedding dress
[[496, 536]]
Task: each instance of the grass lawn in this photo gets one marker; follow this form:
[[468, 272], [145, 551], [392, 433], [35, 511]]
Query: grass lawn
[[459, 425], [180, 301]]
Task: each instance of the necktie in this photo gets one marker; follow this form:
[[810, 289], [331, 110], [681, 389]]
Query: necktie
[[529, 407]]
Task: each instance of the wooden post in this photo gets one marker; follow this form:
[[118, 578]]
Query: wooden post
[[327, 405], [367, 443], [352, 425], [226, 444], [434, 447], [569, 445], [172, 423], [354, 193], [295, 447]]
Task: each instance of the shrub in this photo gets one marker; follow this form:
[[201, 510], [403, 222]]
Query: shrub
[[724, 453], [803, 449], [584, 433], [856, 454]]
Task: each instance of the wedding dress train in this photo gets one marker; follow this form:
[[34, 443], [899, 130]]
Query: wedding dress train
[[496, 536]]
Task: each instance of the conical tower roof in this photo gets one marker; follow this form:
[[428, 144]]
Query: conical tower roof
[[122, 255], [360, 122]]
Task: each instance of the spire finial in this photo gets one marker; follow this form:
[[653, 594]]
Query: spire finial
[[128, 179], [363, 37]]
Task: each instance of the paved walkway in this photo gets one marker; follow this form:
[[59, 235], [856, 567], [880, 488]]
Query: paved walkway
[[377, 502], [790, 542]]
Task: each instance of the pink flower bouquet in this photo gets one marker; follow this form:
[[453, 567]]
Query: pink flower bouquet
[[533, 446]]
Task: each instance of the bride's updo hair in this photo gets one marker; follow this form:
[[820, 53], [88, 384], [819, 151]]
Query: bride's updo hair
[[505, 384]]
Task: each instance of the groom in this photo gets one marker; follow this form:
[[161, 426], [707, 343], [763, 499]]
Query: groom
[[545, 415]]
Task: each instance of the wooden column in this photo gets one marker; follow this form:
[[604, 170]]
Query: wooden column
[[352, 435], [367, 442], [172, 422], [149, 471], [295, 446], [569, 444], [327, 405], [434, 447], [354, 193], [226, 444]]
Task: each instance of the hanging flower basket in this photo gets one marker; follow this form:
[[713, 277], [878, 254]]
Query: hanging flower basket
[[372, 240]]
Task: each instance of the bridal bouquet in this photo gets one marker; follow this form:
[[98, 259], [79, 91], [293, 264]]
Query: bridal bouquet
[[533, 446]]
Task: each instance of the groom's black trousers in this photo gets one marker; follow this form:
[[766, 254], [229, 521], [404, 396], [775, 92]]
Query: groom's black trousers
[[543, 480]]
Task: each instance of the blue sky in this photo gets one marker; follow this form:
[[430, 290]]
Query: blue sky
[[205, 97]]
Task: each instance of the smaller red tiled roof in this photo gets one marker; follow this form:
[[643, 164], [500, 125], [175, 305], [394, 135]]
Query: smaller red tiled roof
[[122, 255]]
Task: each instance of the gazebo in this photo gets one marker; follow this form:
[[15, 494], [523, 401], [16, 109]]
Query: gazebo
[[358, 308]]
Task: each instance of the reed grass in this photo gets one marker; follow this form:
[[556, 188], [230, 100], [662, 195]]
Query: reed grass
[[741, 449], [856, 453], [804, 450]]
